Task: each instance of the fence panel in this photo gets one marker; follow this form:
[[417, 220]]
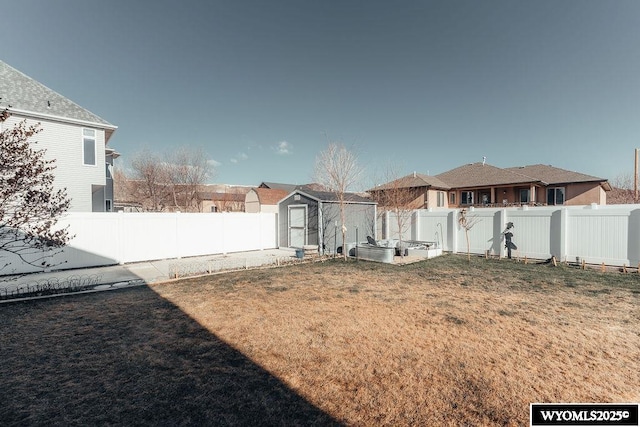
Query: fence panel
[[112, 238], [146, 236], [598, 235], [595, 234], [482, 236], [434, 227], [532, 232]]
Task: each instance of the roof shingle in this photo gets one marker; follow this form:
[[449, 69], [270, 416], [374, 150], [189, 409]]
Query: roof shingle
[[21, 92], [552, 175], [482, 175], [412, 181]]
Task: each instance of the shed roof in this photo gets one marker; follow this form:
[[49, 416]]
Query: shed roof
[[270, 196], [290, 187], [328, 196]]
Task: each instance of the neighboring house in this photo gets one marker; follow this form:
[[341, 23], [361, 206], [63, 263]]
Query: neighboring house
[[228, 201], [560, 186], [291, 187], [75, 137], [481, 184], [415, 191], [263, 200], [278, 186], [308, 217]]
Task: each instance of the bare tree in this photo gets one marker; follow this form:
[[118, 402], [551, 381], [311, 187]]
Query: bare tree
[[622, 191], [188, 169], [338, 170], [467, 222], [29, 205], [170, 180], [150, 176]]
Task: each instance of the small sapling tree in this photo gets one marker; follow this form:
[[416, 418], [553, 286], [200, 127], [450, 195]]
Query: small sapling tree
[[467, 222], [29, 205], [337, 169]]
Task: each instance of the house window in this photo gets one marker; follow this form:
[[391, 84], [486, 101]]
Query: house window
[[555, 196], [109, 175], [466, 197], [440, 199], [89, 146], [107, 205], [524, 195], [452, 198]]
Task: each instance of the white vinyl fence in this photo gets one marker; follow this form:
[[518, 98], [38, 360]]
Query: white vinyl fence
[[595, 234], [118, 238]]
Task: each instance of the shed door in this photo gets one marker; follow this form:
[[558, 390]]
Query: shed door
[[297, 226]]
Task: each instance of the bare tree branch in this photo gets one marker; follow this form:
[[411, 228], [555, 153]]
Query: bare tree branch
[[171, 181], [337, 169], [29, 205]]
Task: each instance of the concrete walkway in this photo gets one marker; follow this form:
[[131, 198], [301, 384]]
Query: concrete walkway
[[143, 272]]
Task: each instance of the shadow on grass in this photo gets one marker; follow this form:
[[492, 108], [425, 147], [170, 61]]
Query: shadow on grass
[[130, 357]]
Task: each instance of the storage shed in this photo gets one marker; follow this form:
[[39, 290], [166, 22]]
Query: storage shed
[[307, 217], [263, 200]]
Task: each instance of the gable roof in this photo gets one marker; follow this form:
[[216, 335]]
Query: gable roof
[[291, 187], [328, 196], [552, 175], [22, 94], [270, 196], [278, 186], [412, 181], [482, 175]]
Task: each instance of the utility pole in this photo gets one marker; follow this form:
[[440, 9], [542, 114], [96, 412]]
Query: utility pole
[[635, 179]]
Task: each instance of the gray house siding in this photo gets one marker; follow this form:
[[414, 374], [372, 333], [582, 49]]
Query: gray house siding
[[63, 143], [67, 130]]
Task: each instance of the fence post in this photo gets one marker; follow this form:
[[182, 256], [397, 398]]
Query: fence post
[[504, 218], [260, 231], [386, 226], [564, 230], [177, 225], [223, 229], [119, 233], [453, 226]]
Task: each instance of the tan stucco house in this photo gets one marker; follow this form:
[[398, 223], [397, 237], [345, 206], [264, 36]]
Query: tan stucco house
[[483, 185]]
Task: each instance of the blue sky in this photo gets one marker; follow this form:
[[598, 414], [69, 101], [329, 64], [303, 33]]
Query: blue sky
[[424, 86]]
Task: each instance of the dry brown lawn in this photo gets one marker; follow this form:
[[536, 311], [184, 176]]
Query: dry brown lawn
[[441, 342]]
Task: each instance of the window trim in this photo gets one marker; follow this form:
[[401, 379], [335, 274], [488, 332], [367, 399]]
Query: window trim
[[108, 205], [85, 140], [469, 196], [528, 191], [555, 195]]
